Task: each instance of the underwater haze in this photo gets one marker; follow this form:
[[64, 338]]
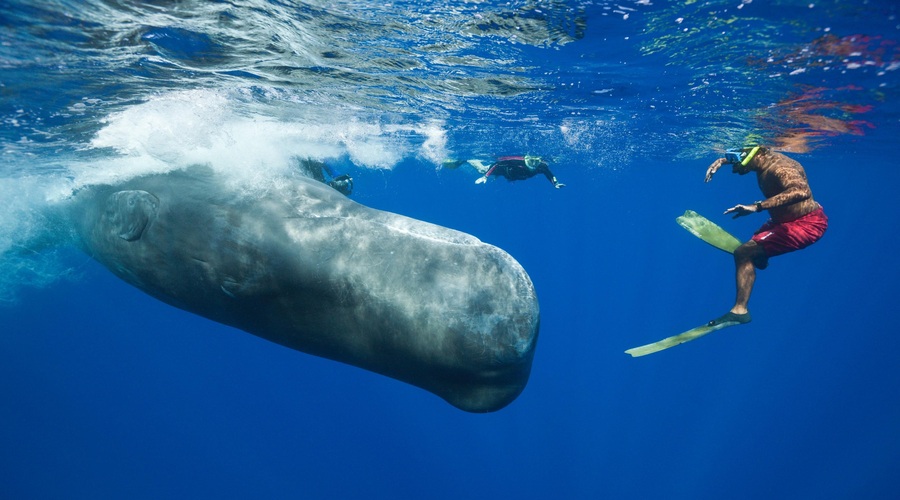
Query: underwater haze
[[110, 393]]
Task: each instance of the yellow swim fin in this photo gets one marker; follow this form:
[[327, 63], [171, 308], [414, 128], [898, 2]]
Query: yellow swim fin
[[708, 231], [681, 338]]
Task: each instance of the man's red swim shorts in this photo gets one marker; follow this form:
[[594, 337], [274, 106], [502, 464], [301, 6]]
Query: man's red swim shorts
[[777, 238]]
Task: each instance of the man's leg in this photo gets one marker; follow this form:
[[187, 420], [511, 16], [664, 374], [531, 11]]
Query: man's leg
[[479, 166], [745, 273], [746, 256]]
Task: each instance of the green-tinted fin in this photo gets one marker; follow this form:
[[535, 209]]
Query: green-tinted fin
[[674, 340], [708, 231]]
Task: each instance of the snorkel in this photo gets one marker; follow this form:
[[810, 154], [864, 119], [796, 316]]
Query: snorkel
[[741, 157], [532, 162], [750, 156]]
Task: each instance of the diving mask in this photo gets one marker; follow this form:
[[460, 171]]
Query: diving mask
[[741, 156], [532, 162]]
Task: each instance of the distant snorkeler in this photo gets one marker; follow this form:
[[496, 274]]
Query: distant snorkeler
[[796, 222], [514, 168], [316, 169]]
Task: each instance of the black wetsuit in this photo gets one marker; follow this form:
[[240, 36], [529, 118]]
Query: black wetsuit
[[514, 169], [317, 170]]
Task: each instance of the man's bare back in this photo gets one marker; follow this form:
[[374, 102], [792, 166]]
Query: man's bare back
[[783, 182]]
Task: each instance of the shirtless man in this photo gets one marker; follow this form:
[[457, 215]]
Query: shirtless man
[[797, 221]]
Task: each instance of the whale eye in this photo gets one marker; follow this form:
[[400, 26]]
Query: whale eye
[[128, 213]]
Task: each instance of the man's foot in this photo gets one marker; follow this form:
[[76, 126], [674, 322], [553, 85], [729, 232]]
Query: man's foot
[[730, 317]]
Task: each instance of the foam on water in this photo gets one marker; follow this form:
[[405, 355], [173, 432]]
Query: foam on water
[[31, 241], [189, 127]]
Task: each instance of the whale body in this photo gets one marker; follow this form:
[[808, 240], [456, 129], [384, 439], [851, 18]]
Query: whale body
[[306, 267]]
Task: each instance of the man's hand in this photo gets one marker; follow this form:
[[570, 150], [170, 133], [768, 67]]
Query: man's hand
[[481, 180], [741, 210], [716, 165]]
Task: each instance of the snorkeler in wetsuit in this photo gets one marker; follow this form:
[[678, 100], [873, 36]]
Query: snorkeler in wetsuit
[[316, 169], [514, 168]]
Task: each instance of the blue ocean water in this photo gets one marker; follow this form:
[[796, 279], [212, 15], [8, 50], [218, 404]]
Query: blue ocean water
[[109, 393]]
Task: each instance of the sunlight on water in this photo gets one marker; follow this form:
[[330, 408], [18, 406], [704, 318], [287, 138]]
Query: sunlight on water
[[100, 91]]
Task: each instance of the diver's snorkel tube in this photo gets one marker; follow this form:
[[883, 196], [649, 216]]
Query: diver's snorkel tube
[[750, 155]]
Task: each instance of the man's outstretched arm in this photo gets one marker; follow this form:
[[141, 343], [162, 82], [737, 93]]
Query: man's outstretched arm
[[716, 165]]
